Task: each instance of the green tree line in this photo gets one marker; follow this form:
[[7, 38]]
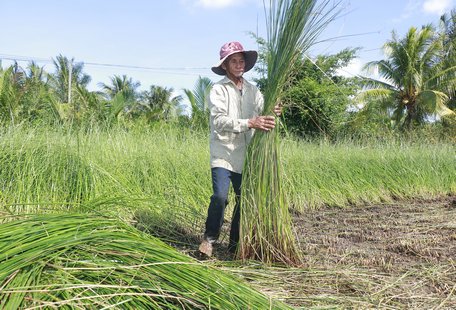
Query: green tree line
[[32, 95]]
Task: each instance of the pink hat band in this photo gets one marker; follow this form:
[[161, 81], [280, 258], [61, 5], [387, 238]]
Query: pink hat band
[[231, 48]]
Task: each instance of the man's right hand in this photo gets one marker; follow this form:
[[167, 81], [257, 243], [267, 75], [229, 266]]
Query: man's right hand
[[265, 123]]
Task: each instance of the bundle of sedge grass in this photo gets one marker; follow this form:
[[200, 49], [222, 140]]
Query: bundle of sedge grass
[[85, 261], [266, 232]]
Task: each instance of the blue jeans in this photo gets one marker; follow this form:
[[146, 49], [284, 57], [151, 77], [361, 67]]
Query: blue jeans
[[221, 179]]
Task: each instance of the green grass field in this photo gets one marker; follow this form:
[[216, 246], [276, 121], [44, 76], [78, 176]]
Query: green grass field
[[159, 180], [170, 168]]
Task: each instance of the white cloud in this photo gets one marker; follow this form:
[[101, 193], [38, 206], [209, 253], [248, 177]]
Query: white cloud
[[437, 6]]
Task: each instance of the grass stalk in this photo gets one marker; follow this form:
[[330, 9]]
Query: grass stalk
[[266, 230]]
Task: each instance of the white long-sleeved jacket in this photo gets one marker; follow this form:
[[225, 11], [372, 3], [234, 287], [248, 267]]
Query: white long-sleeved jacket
[[230, 111]]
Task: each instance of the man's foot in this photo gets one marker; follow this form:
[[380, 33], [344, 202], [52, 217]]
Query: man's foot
[[206, 248]]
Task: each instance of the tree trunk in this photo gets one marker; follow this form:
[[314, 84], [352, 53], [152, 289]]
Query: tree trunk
[[410, 115]]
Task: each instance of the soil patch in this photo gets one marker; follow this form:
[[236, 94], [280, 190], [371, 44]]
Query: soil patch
[[388, 256], [383, 256], [386, 237]]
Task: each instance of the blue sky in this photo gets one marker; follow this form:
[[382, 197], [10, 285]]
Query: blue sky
[[171, 42]]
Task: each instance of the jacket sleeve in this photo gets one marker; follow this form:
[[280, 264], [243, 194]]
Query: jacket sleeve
[[218, 104]]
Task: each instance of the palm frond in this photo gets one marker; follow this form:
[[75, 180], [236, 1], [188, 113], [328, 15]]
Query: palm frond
[[381, 94], [370, 83], [445, 78], [201, 91], [433, 102]]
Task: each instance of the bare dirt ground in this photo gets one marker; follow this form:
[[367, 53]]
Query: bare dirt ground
[[389, 256], [383, 256]]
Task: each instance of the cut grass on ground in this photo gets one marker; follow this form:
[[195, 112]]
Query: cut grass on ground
[[383, 256]]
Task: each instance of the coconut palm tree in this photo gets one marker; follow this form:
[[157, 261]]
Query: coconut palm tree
[[160, 104], [36, 102], [12, 81], [121, 84], [411, 80], [447, 28], [121, 96], [25, 95], [67, 98], [61, 78], [199, 104]]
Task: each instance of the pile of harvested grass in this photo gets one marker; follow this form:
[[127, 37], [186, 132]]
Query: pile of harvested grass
[[83, 261]]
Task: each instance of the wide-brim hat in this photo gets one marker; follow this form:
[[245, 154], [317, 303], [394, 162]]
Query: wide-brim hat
[[231, 48]]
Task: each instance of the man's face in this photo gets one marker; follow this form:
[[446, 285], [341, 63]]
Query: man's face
[[234, 65]]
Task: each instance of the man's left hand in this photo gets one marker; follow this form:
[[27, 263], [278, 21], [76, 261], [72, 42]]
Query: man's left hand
[[278, 109]]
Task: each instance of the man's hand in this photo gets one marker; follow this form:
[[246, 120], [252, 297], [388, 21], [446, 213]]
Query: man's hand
[[265, 123], [278, 109]]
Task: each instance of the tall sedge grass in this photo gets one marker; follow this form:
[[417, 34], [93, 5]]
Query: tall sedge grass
[[266, 230], [341, 174], [34, 172], [165, 173], [81, 261], [117, 172]]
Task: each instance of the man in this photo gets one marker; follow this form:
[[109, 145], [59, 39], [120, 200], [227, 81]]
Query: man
[[235, 106]]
